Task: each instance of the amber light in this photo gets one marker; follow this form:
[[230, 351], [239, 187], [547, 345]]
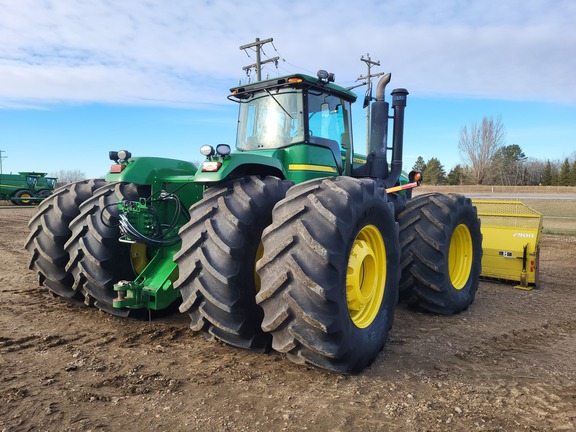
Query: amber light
[[117, 168], [211, 166], [417, 177], [294, 80]]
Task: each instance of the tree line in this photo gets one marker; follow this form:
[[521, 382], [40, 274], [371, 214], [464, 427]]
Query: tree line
[[488, 161]]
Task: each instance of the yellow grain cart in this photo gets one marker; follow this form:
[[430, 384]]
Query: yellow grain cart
[[511, 241]]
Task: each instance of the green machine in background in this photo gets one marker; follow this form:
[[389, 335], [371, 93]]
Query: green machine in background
[[26, 188]]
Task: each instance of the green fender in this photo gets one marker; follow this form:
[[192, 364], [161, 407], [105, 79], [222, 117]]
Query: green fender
[[151, 170], [262, 162]]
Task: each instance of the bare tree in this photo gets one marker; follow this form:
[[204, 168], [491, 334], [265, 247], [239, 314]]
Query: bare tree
[[68, 176], [479, 143]]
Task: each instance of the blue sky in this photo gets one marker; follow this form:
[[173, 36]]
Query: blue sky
[[81, 77]]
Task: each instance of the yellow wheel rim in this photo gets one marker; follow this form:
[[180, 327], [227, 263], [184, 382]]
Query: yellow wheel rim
[[460, 256], [366, 276], [25, 198], [259, 254], [138, 257]]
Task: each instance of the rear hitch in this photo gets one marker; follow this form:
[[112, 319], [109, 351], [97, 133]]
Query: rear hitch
[[129, 295]]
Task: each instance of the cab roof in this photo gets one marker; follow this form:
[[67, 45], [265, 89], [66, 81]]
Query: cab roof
[[294, 81]]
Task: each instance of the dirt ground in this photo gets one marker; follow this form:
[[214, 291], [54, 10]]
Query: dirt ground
[[506, 364]]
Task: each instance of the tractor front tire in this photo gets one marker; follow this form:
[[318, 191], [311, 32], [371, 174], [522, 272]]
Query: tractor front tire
[[97, 259], [441, 252], [216, 262], [49, 231], [330, 273]]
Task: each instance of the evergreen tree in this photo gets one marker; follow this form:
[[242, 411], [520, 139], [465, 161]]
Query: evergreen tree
[[555, 178], [573, 174], [434, 173], [565, 177], [547, 176], [420, 165], [456, 175]]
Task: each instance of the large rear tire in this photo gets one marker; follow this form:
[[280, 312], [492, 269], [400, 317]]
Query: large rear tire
[[330, 274], [49, 231], [97, 259], [441, 252], [217, 259]]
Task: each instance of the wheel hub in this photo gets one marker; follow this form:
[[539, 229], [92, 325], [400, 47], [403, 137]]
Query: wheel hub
[[360, 275], [460, 256], [366, 276]]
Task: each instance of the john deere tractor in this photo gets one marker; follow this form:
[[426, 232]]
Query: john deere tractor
[[292, 242]]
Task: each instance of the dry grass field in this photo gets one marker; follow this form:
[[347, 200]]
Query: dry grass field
[[559, 214]]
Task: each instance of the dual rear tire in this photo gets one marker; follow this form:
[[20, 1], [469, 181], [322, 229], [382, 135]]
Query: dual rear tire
[[49, 232], [441, 253], [73, 243]]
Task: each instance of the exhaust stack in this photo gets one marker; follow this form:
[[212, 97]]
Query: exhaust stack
[[399, 97], [376, 165]]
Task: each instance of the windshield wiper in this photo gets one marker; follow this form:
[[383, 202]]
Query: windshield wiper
[[279, 104]]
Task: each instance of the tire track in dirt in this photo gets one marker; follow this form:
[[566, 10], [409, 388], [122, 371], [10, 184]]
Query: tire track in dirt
[[539, 398], [523, 340]]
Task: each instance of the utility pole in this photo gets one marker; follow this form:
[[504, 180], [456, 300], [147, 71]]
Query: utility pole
[[369, 62], [2, 157], [258, 65]]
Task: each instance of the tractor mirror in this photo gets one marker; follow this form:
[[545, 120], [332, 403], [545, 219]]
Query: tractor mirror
[[366, 101], [368, 96]]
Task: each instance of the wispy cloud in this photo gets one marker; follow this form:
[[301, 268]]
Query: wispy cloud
[[186, 53]]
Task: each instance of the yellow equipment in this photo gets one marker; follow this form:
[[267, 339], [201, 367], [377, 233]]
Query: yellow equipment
[[511, 241]]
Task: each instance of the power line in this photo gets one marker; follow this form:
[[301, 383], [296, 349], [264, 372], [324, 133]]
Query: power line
[[369, 63], [288, 63], [258, 63]]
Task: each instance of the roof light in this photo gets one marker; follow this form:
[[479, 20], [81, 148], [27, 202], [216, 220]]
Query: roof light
[[223, 149], [207, 150], [121, 155], [325, 76], [294, 80], [124, 155]]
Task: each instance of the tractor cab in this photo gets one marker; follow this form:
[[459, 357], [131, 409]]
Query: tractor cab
[[297, 110], [301, 124]]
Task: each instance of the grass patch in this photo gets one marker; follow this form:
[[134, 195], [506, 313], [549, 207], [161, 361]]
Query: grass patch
[[556, 208], [559, 215]]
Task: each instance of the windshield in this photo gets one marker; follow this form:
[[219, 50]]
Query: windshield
[[271, 119], [328, 119]]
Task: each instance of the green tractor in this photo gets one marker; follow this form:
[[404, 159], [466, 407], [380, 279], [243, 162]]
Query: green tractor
[[293, 242]]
